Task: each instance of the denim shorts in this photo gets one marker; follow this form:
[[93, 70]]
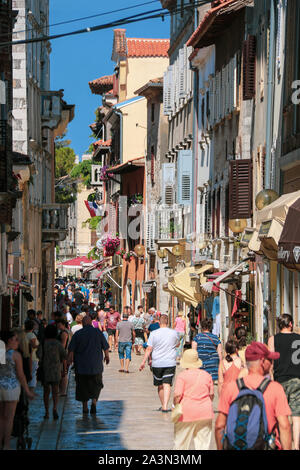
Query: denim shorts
[[125, 350]]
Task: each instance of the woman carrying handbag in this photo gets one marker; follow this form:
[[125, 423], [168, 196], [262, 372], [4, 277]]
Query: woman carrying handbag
[[193, 412]]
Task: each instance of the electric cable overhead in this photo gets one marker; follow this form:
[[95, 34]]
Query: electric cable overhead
[[157, 13], [83, 18]]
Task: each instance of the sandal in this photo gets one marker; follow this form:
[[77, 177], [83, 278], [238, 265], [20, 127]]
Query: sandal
[[55, 415], [121, 370]]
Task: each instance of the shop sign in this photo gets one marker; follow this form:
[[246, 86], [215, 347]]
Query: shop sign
[[265, 227], [147, 287], [285, 255]]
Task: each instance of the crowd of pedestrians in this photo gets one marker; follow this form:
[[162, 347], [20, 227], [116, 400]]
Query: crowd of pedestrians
[[262, 379]]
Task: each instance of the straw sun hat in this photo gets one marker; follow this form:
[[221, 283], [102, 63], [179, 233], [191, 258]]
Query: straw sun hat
[[190, 360]]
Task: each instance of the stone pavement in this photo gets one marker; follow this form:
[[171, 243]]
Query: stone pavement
[[127, 416]]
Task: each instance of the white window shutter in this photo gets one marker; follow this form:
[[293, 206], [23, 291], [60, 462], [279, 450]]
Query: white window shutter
[[167, 91], [185, 176], [182, 74], [227, 91], [189, 71], [150, 231], [176, 80], [168, 183], [223, 92], [218, 106]]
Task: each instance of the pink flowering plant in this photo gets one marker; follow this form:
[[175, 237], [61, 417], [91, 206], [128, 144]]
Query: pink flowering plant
[[110, 245], [104, 174]]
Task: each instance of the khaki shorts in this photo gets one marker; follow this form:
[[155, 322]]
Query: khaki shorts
[[292, 391], [12, 394]]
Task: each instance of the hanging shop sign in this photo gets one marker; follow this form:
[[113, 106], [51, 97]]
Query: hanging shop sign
[[289, 243]]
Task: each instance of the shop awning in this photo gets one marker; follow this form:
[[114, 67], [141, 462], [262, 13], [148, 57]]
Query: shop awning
[[127, 166], [76, 263], [181, 284], [95, 265], [107, 271], [269, 225], [289, 243], [215, 280]]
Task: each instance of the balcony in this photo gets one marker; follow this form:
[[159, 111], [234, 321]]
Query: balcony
[[169, 223], [51, 108], [54, 222]]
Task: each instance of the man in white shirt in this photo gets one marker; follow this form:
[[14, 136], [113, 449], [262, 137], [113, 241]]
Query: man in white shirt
[[162, 344]]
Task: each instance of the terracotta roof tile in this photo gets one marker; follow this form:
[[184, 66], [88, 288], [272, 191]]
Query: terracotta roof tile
[[102, 143], [139, 47], [101, 85], [219, 8]]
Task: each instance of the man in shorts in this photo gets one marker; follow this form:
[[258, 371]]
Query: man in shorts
[[125, 337], [112, 319], [162, 344], [86, 351]]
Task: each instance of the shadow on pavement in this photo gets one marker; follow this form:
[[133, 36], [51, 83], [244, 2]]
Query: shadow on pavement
[[90, 432]]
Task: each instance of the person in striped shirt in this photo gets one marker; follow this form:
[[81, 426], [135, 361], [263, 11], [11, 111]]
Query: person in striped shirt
[[209, 349]]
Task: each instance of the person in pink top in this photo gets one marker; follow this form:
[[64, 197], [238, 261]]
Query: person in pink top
[[230, 367], [180, 327], [112, 319], [194, 390]]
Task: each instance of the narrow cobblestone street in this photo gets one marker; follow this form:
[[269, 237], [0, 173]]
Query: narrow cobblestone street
[[127, 416]]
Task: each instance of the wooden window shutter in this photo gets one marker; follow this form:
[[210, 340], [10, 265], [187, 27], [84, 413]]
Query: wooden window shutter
[[240, 189], [226, 219], [249, 67]]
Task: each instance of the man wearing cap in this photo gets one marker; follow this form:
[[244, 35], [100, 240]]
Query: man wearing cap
[[259, 362]]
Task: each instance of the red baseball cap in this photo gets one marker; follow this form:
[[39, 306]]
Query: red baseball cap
[[256, 351]]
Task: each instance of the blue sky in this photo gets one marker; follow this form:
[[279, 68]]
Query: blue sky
[[79, 59]]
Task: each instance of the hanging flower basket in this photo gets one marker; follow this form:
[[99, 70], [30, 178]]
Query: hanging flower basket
[[110, 245]]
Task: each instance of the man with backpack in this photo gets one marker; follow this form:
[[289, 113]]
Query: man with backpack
[[253, 410]]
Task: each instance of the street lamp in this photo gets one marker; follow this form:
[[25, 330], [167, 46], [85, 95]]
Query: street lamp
[[265, 197], [162, 253], [139, 250], [237, 225], [177, 250]]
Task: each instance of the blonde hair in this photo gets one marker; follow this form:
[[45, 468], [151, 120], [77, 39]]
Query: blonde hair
[[23, 342], [180, 313]]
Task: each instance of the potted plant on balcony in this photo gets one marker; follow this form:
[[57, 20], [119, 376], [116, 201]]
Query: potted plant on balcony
[[135, 200]]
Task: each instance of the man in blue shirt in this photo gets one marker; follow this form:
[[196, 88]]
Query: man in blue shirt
[[86, 351]]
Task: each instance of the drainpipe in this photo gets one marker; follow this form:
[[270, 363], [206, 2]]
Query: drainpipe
[[270, 104], [195, 144]]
